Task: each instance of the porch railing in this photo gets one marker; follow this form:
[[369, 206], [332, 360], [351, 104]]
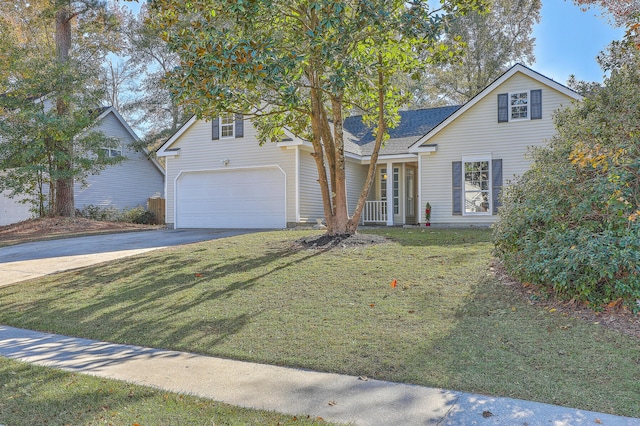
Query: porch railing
[[375, 211]]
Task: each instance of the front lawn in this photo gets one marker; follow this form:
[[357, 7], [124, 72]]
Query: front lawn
[[448, 323]]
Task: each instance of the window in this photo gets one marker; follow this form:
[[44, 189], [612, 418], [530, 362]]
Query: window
[[226, 126], [477, 182], [519, 106], [112, 152], [477, 188], [395, 187]]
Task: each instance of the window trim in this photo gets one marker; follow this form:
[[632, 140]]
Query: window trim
[[222, 126], [489, 192], [510, 106]]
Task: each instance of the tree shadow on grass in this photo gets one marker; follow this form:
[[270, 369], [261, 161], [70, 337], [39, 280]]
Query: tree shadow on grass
[[146, 299]]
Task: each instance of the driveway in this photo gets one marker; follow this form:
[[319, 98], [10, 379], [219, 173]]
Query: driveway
[[31, 260]]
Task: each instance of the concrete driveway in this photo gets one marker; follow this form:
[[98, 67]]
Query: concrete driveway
[[31, 260]]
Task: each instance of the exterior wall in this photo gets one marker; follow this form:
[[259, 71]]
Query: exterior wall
[[311, 208], [125, 185], [477, 131], [199, 152], [12, 211], [356, 174]]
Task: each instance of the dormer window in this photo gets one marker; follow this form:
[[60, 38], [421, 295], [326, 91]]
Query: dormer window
[[520, 106]]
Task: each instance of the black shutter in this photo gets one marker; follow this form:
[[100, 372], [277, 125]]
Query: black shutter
[[536, 104], [503, 108], [496, 184], [456, 169], [239, 123], [215, 128]]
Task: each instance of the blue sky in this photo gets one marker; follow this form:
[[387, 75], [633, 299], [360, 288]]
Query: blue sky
[[568, 41]]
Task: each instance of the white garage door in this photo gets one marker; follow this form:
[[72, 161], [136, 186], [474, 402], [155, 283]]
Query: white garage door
[[240, 198]]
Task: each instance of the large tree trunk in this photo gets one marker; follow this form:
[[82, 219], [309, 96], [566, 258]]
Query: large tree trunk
[[64, 202]]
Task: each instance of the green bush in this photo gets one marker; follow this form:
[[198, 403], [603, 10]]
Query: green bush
[[138, 215], [572, 222]]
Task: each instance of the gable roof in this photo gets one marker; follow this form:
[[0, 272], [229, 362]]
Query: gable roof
[[104, 111], [517, 68]]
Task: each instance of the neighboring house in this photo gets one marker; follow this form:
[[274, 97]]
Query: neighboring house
[[125, 185], [455, 158]]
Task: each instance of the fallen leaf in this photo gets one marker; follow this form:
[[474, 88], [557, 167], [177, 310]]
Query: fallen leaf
[[332, 403], [363, 378], [372, 305], [394, 283], [199, 275], [412, 312], [598, 421], [552, 310], [487, 414]]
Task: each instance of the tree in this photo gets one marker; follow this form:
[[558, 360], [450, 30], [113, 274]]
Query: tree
[[572, 222], [50, 98], [302, 65], [491, 43], [149, 56]]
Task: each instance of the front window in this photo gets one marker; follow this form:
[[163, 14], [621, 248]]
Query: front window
[[519, 105], [477, 186], [227, 125]]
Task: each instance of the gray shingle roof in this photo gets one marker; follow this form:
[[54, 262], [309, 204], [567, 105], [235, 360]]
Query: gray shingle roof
[[413, 124]]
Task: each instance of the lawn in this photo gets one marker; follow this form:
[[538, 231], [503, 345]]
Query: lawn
[[448, 323], [32, 395]]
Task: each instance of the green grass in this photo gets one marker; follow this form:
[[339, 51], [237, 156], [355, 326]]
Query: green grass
[[449, 323], [32, 395]]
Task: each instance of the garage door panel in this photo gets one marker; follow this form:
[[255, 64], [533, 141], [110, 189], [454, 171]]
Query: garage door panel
[[243, 198]]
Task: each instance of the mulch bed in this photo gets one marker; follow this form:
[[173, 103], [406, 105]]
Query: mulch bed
[[326, 242]]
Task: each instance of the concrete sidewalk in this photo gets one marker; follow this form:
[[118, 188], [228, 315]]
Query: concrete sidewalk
[[336, 398]]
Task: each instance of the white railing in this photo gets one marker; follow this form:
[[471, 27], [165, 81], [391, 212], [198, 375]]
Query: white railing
[[375, 211]]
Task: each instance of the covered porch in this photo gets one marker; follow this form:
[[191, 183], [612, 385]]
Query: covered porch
[[393, 199]]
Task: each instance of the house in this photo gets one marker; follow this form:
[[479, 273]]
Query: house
[[455, 158], [125, 185]]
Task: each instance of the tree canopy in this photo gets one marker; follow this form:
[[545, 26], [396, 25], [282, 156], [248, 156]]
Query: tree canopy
[[50, 97], [303, 65], [489, 43]]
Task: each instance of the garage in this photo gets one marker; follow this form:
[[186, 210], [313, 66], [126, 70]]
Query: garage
[[231, 198]]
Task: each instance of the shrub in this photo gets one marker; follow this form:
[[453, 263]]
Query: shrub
[[138, 215], [572, 222]]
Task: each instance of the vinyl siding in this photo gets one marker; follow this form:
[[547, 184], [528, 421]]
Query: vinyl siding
[[12, 211], [310, 195], [311, 208], [123, 186], [477, 132], [199, 152]]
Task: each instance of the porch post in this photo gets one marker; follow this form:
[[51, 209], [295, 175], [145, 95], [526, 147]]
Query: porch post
[[389, 194]]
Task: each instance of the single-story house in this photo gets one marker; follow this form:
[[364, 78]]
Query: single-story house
[[456, 158], [125, 185]]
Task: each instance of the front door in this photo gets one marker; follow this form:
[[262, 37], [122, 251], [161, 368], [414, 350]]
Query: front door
[[411, 194]]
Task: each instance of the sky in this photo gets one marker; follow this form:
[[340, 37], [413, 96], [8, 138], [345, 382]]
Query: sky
[[567, 40]]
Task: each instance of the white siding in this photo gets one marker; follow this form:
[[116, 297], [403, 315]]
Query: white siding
[[126, 185], [356, 175], [198, 152], [477, 131], [12, 211], [310, 195]]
